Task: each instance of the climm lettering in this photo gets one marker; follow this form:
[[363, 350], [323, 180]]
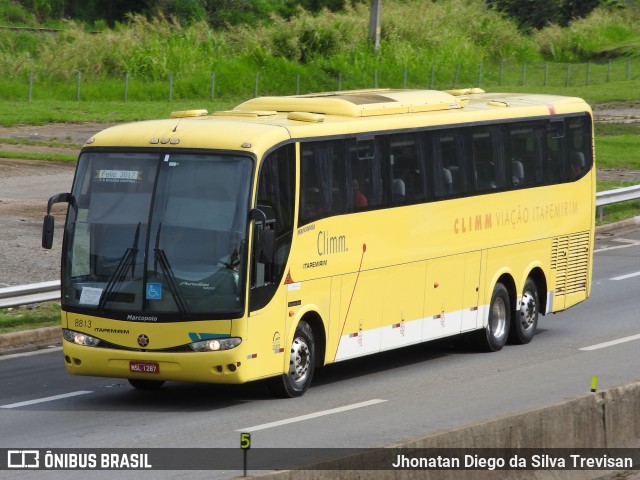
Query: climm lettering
[[328, 244], [472, 224]]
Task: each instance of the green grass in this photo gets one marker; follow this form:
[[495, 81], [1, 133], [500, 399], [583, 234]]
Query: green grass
[[607, 129], [603, 186], [38, 143], [29, 317], [39, 156], [619, 151], [40, 112], [617, 146], [450, 43]]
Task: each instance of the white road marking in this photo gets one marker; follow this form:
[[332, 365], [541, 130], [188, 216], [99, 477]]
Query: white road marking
[[628, 275], [611, 343], [46, 399], [311, 415], [627, 243]]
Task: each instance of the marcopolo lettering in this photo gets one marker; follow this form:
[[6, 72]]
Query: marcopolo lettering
[[142, 318]]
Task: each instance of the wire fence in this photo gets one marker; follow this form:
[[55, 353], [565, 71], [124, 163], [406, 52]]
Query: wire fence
[[217, 85]]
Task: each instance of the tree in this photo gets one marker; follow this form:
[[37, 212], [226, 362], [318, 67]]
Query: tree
[[536, 14], [578, 8], [219, 13]]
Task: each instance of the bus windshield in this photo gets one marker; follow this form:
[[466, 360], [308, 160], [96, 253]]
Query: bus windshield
[[158, 234]]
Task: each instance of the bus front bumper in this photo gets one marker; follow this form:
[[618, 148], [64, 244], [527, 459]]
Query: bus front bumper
[[209, 367]]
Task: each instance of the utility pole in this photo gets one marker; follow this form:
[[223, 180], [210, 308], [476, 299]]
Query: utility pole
[[374, 23]]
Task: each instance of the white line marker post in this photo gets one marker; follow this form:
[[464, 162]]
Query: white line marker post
[[245, 445]]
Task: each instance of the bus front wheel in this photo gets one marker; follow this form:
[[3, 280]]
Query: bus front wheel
[[494, 336], [526, 320], [302, 359]]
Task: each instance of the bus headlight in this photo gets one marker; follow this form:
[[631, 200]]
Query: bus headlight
[[216, 344], [80, 338]]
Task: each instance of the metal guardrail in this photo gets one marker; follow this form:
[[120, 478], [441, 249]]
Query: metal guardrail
[[615, 196], [49, 291], [27, 294]]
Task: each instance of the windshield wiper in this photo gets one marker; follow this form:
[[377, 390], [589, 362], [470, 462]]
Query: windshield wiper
[[118, 275], [161, 258], [134, 251]]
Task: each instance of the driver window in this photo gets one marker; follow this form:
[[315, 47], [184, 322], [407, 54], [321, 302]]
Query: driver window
[[276, 198]]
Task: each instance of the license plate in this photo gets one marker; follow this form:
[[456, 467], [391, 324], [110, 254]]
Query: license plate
[[144, 367]]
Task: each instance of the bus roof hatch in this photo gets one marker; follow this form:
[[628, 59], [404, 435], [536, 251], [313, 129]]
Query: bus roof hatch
[[358, 103]]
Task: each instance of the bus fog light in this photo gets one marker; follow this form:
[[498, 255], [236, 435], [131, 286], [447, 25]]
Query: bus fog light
[[80, 338], [216, 344]]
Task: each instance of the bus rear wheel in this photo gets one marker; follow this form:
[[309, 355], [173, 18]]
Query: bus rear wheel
[[494, 336], [302, 358], [526, 319]]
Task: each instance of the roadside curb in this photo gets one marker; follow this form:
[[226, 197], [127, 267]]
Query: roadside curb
[[619, 226], [30, 340]]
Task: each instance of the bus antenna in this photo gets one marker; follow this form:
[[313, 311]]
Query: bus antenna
[[178, 124]]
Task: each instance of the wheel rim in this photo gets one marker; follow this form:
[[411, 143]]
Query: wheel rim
[[300, 361], [528, 309], [498, 318]]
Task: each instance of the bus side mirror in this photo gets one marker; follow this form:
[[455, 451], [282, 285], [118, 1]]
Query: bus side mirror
[[257, 215], [266, 236], [49, 221], [47, 231], [268, 245]]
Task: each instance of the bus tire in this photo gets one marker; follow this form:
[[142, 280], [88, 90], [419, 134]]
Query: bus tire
[[525, 321], [494, 336], [145, 384], [302, 358]]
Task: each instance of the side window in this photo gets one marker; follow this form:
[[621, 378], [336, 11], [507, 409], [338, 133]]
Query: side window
[[406, 167], [367, 173], [276, 198], [276, 187], [323, 190], [340, 176], [579, 148], [488, 159], [525, 154], [553, 164], [449, 163]]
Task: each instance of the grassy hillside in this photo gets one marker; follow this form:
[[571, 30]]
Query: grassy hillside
[[449, 43]]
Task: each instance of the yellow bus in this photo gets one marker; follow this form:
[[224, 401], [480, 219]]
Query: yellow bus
[[293, 232]]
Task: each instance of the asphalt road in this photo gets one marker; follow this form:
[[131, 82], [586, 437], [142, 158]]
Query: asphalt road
[[379, 400]]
